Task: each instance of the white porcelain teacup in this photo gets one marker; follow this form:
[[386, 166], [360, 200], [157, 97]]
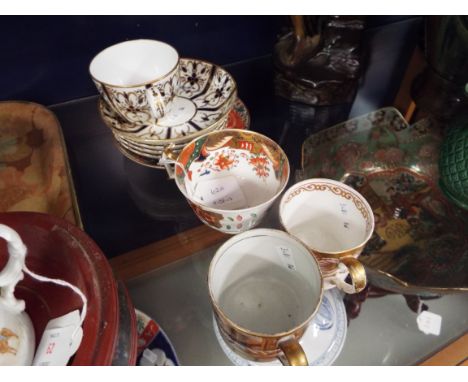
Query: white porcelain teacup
[[137, 78], [335, 222], [231, 177], [265, 288]]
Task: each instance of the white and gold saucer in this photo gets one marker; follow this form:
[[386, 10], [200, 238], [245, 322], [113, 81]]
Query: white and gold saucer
[[149, 155], [205, 101], [202, 102]]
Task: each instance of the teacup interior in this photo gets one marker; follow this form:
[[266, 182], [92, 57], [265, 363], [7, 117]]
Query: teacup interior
[[324, 220], [231, 179], [134, 62], [260, 288]]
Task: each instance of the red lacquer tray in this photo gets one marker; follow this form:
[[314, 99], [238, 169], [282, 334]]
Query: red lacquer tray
[[58, 249]]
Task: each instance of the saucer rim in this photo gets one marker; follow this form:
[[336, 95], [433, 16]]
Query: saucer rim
[[138, 158]]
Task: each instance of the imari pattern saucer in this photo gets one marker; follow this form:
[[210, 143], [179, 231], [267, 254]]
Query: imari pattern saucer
[[152, 337]]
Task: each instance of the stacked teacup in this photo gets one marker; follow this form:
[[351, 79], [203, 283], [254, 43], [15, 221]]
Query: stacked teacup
[[151, 98]]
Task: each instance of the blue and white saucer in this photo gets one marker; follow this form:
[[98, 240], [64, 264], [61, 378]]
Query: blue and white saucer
[[322, 342]]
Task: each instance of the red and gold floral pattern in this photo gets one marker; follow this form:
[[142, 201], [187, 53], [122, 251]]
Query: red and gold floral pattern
[[260, 166], [390, 155], [223, 162], [349, 153], [250, 345], [211, 218], [243, 140], [231, 153]]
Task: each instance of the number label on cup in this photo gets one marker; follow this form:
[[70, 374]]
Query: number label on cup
[[221, 193], [287, 257]]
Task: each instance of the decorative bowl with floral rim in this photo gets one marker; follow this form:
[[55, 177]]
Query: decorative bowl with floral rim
[[420, 241]]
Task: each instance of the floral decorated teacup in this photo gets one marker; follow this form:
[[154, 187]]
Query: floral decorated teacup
[[137, 78], [231, 177]]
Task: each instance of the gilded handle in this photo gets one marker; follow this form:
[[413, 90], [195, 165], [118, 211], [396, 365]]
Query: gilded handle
[[155, 102], [169, 153], [294, 355], [357, 273], [168, 159]]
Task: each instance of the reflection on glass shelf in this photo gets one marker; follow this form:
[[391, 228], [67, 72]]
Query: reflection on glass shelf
[[384, 333]]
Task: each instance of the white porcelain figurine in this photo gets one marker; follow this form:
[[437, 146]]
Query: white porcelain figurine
[[17, 339]]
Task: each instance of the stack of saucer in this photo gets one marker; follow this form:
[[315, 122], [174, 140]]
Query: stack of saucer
[[175, 101], [148, 154]]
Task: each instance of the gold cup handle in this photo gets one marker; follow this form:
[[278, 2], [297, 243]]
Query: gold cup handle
[[169, 159], [357, 273], [294, 355], [156, 103]]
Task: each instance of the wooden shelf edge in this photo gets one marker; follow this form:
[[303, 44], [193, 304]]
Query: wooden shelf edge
[[452, 355], [403, 101], [150, 257]]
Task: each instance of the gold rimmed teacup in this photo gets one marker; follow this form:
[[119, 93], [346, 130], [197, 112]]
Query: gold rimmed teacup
[[137, 78], [230, 177], [335, 222], [265, 288]]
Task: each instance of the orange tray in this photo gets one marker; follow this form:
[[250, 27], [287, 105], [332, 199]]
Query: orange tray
[[34, 170]]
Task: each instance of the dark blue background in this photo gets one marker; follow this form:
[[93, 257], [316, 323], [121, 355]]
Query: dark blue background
[[45, 59]]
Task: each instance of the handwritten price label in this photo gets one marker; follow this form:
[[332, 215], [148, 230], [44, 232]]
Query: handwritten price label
[[60, 340], [224, 200], [221, 193], [429, 323], [287, 257]]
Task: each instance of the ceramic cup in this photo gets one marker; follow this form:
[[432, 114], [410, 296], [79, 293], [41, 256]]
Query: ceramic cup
[[335, 222], [137, 78], [265, 288], [230, 177]]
